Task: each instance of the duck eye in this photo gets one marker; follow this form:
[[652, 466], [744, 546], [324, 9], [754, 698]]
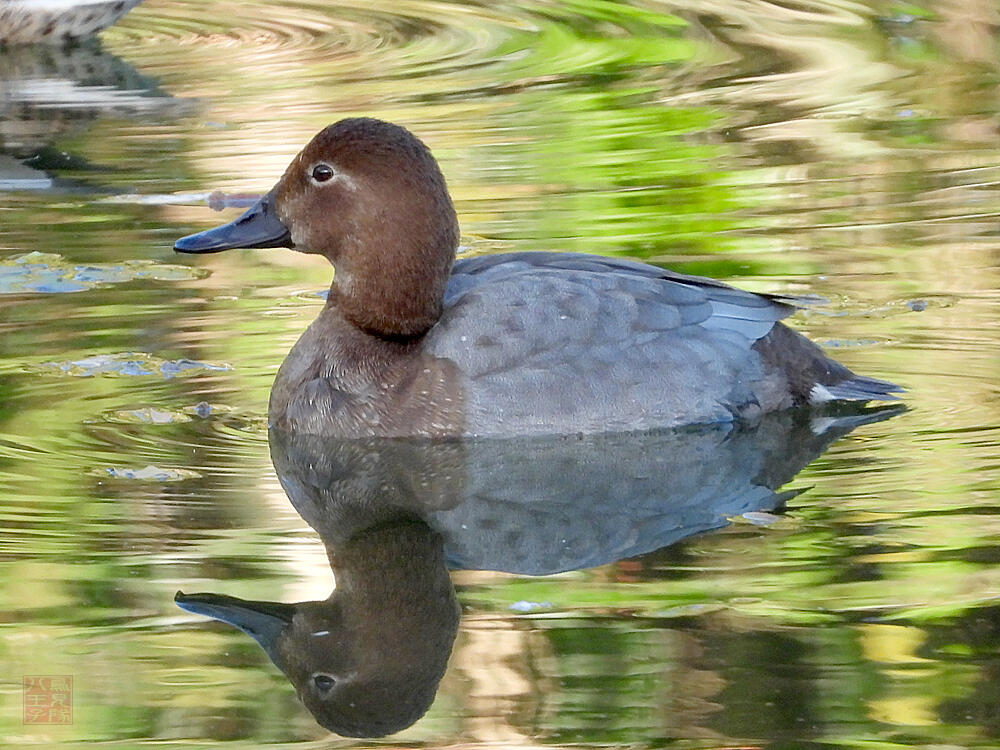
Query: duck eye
[[322, 172], [324, 682]]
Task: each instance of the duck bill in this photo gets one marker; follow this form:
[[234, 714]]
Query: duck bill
[[262, 621], [258, 227]]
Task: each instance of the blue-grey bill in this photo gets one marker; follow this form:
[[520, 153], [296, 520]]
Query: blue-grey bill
[[258, 227]]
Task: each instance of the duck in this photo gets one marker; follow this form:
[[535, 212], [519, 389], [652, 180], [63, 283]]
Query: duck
[[58, 21], [415, 342]]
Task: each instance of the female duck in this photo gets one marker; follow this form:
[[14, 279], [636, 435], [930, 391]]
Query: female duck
[[414, 343]]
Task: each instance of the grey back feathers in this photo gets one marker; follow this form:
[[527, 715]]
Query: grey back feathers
[[546, 340]]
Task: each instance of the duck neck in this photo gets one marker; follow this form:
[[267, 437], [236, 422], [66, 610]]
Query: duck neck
[[394, 296]]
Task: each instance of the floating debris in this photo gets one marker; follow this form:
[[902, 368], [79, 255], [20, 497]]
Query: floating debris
[[203, 409], [312, 294], [146, 415], [131, 364], [217, 201], [846, 306], [148, 474], [852, 343], [526, 606], [50, 273]]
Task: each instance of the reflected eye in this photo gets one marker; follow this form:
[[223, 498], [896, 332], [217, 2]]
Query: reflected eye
[[324, 682], [322, 172]]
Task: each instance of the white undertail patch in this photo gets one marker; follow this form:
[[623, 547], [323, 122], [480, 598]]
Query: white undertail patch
[[819, 394]]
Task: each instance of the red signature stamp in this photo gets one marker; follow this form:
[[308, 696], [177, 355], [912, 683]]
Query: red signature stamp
[[48, 699]]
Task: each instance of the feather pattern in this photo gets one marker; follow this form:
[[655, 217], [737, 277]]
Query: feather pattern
[[567, 342]]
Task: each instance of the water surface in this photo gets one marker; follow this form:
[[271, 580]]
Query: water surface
[[849, 150]]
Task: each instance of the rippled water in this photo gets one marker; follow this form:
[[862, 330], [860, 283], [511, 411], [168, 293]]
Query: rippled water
[[849, 150]]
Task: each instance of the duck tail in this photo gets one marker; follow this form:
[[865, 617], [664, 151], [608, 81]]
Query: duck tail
[[856, 388], [814, 378]]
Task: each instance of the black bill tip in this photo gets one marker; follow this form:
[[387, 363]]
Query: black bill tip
[[263, 621], [258, 227]]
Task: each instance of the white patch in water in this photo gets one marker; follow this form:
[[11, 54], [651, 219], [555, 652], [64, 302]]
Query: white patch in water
[[321, 632], [821, 425]]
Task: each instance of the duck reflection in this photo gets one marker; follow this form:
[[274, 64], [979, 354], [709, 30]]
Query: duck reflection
[[48, 92], [367, 661], [33, 22], [395, 515]]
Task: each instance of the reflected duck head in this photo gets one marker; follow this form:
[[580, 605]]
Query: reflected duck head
[[369, 196], [367, 661]]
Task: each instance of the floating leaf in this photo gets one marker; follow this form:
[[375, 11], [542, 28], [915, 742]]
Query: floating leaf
[[50, 273], [149, 474], [146, 415], [131, 364]]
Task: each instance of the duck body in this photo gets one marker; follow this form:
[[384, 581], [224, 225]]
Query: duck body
[[554, 343], [413, 343]]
